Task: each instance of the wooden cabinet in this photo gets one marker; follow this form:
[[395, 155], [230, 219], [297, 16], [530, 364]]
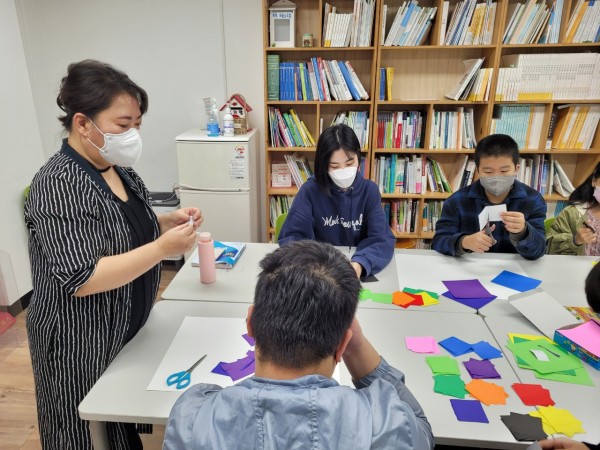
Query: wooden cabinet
[[421, 76]]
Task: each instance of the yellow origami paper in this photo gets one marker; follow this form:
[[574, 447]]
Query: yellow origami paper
[[556, 420]]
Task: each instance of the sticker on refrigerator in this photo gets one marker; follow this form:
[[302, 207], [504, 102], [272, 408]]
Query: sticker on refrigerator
[[237, 165]]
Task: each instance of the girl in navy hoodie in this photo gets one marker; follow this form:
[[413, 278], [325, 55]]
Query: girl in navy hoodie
[[337, 205]]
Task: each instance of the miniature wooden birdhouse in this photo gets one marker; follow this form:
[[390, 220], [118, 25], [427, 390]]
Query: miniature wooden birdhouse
[[282, 24], [239, 110]]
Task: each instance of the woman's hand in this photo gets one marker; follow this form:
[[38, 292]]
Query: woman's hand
[[562, 443], [179, 217], [177, 240]]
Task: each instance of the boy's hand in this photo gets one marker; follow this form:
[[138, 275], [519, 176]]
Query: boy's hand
[[356, 340], [584, 236], [513, 221], [562, 443], [478, 242]]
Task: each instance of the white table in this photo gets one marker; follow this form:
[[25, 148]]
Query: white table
[[563, 278], [387, 331], [120, 394], [237, 285], [582, 401]]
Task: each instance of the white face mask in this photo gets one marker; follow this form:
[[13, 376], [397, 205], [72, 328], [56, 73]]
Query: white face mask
[[122, 149], [343, 178]]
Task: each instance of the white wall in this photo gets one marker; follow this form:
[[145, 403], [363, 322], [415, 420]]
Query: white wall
[[172, 49], [20, 153], [180, 52], [245, 71]]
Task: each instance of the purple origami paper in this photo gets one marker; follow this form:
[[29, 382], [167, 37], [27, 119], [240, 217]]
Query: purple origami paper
[[474, 303], [467, 289], [481, 369], [249, 339]]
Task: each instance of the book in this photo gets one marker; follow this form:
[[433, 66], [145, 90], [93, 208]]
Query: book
[[229, 254], [272, 77], [471, 68]]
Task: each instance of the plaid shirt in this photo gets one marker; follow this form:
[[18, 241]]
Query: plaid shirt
[[460, 217]]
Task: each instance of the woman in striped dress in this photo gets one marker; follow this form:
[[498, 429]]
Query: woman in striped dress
[[95, 246]]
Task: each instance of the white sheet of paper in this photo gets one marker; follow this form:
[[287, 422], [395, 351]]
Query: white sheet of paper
[[543, 311], [428, 271], [540, 355], [491, 213], [219, 338]]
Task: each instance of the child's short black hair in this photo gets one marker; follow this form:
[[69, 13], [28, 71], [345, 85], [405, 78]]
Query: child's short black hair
[[334, 138], [305, 300], [497, 145], [592, 288]]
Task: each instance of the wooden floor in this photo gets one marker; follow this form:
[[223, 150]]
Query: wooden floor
[[18, 417]]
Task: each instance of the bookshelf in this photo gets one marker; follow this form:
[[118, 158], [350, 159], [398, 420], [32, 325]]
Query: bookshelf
[[422, 75], [316, 113]]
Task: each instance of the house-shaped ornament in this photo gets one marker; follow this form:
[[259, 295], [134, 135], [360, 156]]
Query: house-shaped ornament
[[239, 110]]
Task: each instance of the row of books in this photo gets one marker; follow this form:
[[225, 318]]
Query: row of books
[[386, 83], [432, 211], [287, 130], [402, 215], [522, 122], [575, 126], [279, 204], [533, 22], [584, 25], [317, 79], [349, 30], [462, 172], [411, 25], [462, 89], [472, 23], [409, 174], [573, 76], [400, 129], [453, 129], [544, 174], [299, 167], [358, 121]]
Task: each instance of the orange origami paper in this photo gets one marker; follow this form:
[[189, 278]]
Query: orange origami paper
[[402, 299], [487, 393]]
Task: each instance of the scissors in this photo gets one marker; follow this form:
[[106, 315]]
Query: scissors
[[488, 231], [182, 379]]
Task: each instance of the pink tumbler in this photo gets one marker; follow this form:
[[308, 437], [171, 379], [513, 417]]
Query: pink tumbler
[[206, 256]]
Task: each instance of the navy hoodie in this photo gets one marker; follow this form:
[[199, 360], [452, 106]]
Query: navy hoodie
[[352, 218]]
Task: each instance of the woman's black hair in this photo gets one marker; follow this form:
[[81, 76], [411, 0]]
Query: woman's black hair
[[90, 87], [584, 194], [332, 139]]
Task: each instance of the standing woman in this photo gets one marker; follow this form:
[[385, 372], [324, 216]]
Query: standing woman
[[575, 230], [95, 247], [340, 207]]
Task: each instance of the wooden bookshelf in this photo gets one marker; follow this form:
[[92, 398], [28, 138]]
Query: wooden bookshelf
[[422, 75]]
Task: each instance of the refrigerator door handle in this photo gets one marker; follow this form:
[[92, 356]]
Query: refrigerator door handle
[[188, 187]]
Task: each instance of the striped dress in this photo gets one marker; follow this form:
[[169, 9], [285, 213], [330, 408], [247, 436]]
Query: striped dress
[[73, 220]]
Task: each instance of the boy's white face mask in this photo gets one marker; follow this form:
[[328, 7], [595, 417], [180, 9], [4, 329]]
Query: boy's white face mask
[[123, 149], [343, 178]]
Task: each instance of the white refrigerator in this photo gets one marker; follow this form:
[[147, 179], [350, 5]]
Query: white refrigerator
[[219, 176]]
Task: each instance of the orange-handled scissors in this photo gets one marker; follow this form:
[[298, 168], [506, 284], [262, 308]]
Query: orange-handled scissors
[[183, 379]]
